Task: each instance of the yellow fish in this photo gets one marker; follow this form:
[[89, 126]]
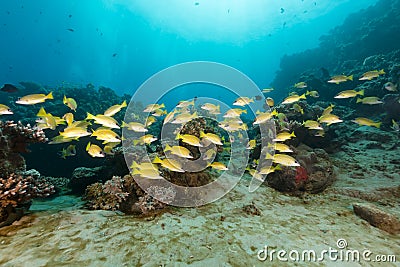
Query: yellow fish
[[329, 119], [106, 135], [111, 111], [70, 102], [312, 125], [293, 98], [370, 100], [314, 94], [269, 101], [95, 151], [264, 116], [340, 78], [135, 126], [298, 108], [209, 155], [59, 139], [369, 75], [106, 121], [158, 112], [189, 139], [213, 109], [328, 110], [68, 152], [74, 132], [300, 85], [243, 101], [153, 107], [283, 159], [218, 166], [283, 136], [269, 169], [367, 122], [69, 118], [34, 99], [5, 110], [149, 121], [185, 104], [147, 173], [395, 126], [145, 139], [280, 147], [349, 94], [251, 144], [170, 164], [179, 151], [267, 90], [234, 113], [184, 118], [213, 138]]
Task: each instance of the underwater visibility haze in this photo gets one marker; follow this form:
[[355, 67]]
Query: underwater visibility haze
[[193, 133]]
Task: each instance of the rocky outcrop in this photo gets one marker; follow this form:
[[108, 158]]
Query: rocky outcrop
[[378, 218]]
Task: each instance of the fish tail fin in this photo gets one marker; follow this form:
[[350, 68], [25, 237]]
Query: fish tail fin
[[41, 112], [65, 99], [157, 160], [358, 100], [308, 92], [202, 134], [361, 92], [277, 168], [378, 124], [245, 111], [89, 116], [178, 136], [50, 96], [135, 172], [292, 134], [134, 165], [350, 77], [123, 104], [124, 124], [382, 71], [135, 142], [88, 146], [303, 96], [269, 156], [167, 147], [274, 112]]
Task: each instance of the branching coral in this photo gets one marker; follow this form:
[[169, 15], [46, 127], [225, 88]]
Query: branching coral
[[18, 191], [14, 138], [107, 196]]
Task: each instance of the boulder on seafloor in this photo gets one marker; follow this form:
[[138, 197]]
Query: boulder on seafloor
[[82, 177], [314, 174], [378, 218]]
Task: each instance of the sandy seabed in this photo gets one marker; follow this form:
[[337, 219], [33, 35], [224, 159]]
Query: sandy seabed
[[61, 232]]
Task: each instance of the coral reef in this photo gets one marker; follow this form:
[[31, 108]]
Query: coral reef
[[16, 193], [314, 174], [125, 195], [107, 196], [14, 139]]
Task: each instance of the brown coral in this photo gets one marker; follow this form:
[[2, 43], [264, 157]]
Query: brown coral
[[17, 191]]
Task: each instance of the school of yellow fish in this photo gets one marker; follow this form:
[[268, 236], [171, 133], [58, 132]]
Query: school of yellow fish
[[104, 132]]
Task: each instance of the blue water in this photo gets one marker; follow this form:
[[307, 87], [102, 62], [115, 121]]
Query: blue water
[[120, 44]]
